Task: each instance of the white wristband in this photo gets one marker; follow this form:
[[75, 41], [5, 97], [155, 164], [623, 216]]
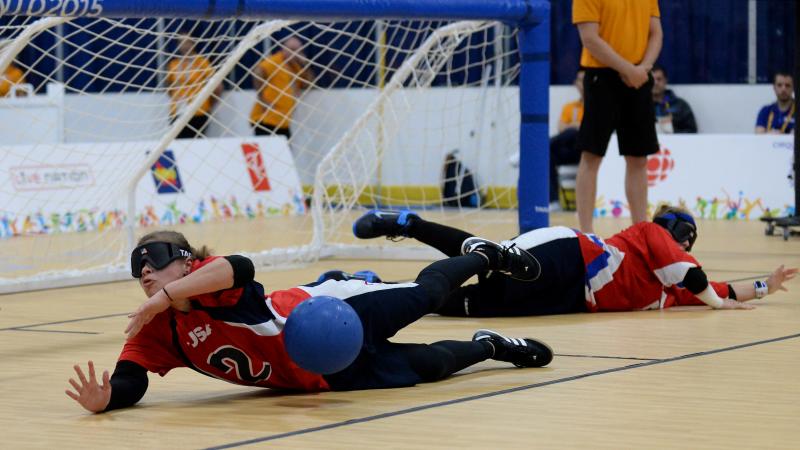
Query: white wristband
[[761, 288], [710, 298]]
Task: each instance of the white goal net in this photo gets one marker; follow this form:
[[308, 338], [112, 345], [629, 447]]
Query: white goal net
[[262, 138]]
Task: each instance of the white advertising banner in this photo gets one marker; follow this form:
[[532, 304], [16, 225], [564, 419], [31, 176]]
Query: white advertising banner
[[84, 187], [715, 176]]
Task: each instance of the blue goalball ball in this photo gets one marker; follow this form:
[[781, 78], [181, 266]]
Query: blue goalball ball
[[323, 335]]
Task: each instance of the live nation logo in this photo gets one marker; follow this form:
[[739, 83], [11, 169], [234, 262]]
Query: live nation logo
[[255, 167], [40, 178]]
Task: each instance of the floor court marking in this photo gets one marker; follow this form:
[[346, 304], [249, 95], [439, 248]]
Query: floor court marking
[[496, 393], [21, 327], [54, 331], [564, 355]]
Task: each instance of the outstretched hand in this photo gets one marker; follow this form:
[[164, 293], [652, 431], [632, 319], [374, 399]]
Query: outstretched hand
[[159, 302], [778, 277], [733, 304], [91, 395]]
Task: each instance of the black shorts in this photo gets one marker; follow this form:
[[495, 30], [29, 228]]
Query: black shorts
[[610, 105]]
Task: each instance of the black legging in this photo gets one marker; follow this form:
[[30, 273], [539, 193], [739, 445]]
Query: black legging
[[383, 364], [559, 290]]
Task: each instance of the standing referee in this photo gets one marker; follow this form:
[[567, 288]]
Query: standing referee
[[621, 42]]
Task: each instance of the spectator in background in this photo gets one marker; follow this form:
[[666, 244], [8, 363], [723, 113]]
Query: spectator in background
[[187, 74], [12, 76], [563, 146], [673, 114], [621, 42], [778, 118], [278, 79]]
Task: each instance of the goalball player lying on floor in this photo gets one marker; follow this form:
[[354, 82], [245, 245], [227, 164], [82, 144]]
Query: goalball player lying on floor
[[646, 266], [209, 314]]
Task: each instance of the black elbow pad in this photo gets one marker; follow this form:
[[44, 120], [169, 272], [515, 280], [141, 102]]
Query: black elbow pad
[[243, 270], [695, 280], [128, 385]]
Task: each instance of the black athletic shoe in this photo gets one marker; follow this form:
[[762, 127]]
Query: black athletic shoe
[[520, 352], [514, 261], [378, 223]]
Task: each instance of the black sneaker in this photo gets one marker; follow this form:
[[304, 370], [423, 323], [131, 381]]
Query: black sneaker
[[520, 352], [378, 223], [516, 262]]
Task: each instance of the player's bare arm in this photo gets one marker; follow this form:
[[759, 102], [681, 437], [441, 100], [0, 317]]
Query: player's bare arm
[[746, 290], [655, 40]]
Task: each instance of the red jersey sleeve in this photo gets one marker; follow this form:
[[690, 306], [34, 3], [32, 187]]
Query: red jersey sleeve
[[225, 297], [666, 258], [152, 347]]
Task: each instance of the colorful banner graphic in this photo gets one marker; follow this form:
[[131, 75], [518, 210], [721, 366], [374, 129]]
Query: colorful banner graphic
[[166, 175], [255, 166], [726, 177], [219, 179]]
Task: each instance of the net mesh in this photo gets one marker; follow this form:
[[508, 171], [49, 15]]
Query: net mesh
[[262, 138]]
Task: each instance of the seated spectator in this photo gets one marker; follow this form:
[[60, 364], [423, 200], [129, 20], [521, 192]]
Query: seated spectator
[[778, 117], [563, 148], [673, 114]]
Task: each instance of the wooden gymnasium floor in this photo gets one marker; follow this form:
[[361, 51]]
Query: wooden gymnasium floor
[[690, 378]]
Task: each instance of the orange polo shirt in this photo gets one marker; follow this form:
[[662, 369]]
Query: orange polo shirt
[[188, 75], [624, 25], [278, 96]]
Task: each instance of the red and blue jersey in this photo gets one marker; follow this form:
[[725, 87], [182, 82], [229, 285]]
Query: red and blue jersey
[[640, 268], [235, 335]]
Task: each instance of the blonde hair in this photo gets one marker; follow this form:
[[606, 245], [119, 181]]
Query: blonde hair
[[666, 208], [173, 237]]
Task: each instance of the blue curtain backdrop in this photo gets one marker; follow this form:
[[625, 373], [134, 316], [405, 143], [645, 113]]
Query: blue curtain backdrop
[[705, 41], [776, 30]]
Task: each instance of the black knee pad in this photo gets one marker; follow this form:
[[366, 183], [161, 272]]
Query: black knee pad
[[431, 363], [436, 285]]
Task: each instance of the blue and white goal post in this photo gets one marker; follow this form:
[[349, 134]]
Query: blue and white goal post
[[263, 127]]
